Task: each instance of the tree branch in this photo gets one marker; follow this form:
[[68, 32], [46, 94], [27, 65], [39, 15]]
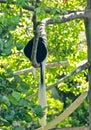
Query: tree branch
[[63, 19], [35, 42], [67, 17], [77, 70], [61, 63], [83, 66]]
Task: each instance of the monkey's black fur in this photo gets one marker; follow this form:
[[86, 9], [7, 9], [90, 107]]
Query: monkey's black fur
[[41, 50], [40, 55]]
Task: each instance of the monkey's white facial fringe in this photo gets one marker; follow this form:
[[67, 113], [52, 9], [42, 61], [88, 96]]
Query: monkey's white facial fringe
[[42, 101]]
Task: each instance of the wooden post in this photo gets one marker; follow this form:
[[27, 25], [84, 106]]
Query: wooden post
[[88, 37]]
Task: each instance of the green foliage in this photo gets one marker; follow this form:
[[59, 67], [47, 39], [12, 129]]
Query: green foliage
[[21, 2], [19, 46], [14, 107], [40, 11], [82, 114], [17, 109], [38, 111]]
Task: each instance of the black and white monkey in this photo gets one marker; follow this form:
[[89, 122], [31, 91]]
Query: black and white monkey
[[41, 50], [41, 54]]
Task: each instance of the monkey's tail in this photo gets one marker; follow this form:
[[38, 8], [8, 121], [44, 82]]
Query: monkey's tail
[[42, 74], [42, 93], [42, 101]]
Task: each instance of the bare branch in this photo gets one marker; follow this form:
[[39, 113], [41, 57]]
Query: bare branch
[[67, 17], [61, 63]]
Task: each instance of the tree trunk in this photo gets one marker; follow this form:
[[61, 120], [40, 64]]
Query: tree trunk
[[88, 37]]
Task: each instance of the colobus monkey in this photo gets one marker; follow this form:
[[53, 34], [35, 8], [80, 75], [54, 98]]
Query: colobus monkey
[[40, 57], [40, 54], [41, 50]]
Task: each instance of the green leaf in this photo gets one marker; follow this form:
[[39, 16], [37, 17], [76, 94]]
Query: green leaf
[[16, 95], [37, 109], [9, 44], [5, 100], [1, 45], [27, 117], [19, 46], [18, 128], [9, 1], [23, 103], [13, 100], [6, 51], [9, 73], [9, 115], [40, 11], [10, 22], [17, 78], [23, 87], [20, 2], [13, 22], [53, 11], [1, 29]]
